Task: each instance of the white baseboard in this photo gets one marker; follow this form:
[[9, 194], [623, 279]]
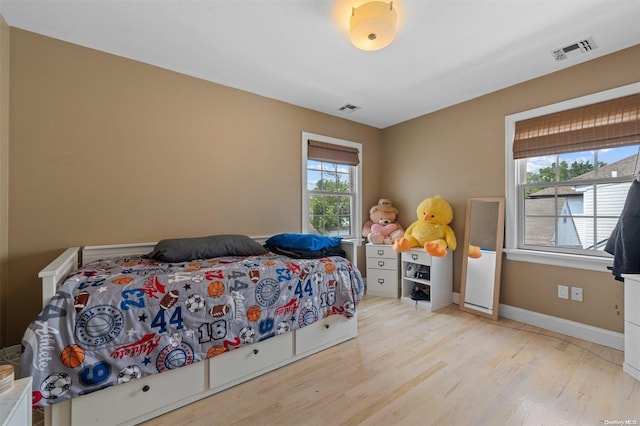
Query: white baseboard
[[575, 329]]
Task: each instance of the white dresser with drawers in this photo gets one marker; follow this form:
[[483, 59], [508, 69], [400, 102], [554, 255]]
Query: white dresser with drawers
[[382, 270]]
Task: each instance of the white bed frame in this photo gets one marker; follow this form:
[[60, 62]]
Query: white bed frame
[[151, 396]]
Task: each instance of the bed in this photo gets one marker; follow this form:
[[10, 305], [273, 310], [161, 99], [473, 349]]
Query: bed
[[124, 337]]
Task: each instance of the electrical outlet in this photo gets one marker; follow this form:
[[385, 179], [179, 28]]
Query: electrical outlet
[[576, 294], [563, 291]]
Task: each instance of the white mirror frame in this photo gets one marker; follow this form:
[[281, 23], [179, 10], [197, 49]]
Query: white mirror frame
[[491, 290]]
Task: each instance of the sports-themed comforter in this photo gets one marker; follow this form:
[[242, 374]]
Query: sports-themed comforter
[[119, 319]]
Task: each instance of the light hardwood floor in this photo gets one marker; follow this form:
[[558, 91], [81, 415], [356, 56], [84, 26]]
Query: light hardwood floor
[[410, 367]]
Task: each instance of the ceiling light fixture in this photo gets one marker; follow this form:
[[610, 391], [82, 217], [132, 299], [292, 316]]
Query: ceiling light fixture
[[372, 25]]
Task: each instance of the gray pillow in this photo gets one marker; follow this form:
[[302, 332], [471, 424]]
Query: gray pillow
[[186, 249]]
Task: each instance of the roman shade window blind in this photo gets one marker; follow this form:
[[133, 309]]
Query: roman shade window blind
[[601, 125], [323, 151]]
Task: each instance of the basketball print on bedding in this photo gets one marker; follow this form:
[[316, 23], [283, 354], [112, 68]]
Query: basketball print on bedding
[[216, 289], [98, 325], [72, 356], [172, 357]]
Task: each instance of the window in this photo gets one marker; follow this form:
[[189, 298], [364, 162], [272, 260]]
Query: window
[[331, 186], [567, 178]]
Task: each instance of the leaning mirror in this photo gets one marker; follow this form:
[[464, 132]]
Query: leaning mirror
[[480, 286]]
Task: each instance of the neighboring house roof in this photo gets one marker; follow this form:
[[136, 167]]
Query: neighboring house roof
[[540, 230], [562, 191]]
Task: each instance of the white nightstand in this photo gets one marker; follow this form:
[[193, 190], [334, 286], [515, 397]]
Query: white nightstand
[[382, 270], [15, 404], [439, 279]]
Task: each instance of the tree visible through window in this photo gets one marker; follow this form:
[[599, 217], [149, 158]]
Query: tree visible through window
[[330, 198], [331, 186]]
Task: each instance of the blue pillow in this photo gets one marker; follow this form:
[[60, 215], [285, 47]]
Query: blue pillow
[[311, 242]]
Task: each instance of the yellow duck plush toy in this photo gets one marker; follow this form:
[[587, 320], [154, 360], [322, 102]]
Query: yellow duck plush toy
[[431, 230]]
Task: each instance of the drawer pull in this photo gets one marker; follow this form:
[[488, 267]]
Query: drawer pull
[[255, 351], [414, 256], [381, 263], [327, 326], [380, 252], [381, 281], [146, 388]]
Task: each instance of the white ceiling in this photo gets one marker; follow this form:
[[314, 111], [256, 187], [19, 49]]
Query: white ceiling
[[298, 51]]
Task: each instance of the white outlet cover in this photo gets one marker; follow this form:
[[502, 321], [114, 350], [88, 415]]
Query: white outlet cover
[[576, 294], [563, 292]]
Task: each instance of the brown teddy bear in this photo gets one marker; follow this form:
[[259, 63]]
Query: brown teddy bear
[[382, 227]]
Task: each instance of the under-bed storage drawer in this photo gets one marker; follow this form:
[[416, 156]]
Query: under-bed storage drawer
[[246, 362], [122, 403], [325, 333]]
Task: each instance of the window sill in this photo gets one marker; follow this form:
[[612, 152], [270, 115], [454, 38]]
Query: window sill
[[353, 241], [590, 263]]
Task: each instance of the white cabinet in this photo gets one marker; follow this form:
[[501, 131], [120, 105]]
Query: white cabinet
[[147, 395], [437, 274], [15, 404], [382, 270], [632, 325]]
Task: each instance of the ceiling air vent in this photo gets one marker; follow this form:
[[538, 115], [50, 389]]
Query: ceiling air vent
[[349, 108], [575, 49]]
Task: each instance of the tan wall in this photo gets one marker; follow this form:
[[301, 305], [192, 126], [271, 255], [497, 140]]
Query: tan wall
[[4, 171], [108, 150], [459, 152]]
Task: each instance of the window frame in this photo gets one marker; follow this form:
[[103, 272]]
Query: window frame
[[356, 215], [515, 173]]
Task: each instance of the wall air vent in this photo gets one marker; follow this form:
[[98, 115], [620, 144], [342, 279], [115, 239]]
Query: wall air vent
[[574, 49], [349, 108]]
